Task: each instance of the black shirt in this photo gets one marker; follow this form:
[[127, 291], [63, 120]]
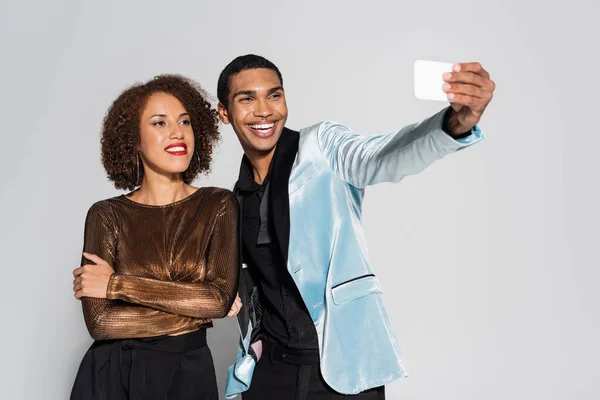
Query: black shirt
[[285, 319]]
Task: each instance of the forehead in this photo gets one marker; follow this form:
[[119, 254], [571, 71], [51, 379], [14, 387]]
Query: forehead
[[164, 102], [254, 79]]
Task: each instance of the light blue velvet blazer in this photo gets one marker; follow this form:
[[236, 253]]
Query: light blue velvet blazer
[[327, 250]]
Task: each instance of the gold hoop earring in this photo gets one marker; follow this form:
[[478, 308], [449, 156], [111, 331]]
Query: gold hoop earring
[[137, 169]]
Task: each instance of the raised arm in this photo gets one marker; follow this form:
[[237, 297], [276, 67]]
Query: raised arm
[[367, 160], [363, 161]]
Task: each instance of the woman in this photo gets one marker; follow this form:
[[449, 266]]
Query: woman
[[163, 260]]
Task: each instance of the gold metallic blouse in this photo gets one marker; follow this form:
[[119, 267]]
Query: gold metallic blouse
[[176, 266]]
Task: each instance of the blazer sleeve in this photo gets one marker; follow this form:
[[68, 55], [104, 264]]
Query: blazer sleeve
[[367, 160]]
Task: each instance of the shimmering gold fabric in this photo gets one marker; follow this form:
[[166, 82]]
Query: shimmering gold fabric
[[176, 266]]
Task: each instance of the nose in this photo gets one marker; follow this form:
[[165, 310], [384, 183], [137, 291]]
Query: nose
[[177, 132], [262, 109]]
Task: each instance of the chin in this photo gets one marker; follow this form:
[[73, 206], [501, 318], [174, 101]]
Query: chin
[[265, 148], [176, 170], [266, 144]]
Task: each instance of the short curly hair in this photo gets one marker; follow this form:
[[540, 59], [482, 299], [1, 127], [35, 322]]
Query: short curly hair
[[121, 129]]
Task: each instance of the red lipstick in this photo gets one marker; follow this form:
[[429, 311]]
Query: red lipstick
[[177, 149]]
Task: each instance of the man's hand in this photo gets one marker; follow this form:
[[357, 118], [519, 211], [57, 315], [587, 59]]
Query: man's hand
[[469, 90], [235, 307], [92, 280]]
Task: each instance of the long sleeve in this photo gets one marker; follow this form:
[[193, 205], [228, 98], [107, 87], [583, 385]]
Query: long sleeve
[[113, 319], [210, 298], [366, 160]]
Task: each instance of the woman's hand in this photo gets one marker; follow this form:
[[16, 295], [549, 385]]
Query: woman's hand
[[92, 280]]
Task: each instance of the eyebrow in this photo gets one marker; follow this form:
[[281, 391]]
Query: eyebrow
[[253, 92], [165, 115]]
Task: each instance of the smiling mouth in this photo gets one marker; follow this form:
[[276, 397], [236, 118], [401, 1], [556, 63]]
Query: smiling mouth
[[177, 150], [262, 130]]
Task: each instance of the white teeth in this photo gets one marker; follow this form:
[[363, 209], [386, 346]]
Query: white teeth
[[175, 149], [262, 126]]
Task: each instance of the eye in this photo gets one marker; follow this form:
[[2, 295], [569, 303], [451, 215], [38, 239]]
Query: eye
[[275, 96], [186, 122], [159, 123], [245, 99]]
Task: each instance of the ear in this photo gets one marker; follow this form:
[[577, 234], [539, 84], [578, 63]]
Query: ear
[[223, 115]]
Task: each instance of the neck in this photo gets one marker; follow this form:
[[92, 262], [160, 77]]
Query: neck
[[160, 190], [260, 162]]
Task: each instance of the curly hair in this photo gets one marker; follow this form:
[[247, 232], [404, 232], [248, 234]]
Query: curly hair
[[121, 129]]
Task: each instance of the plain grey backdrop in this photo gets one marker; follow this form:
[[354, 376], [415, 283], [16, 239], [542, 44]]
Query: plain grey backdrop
[[489, 259]]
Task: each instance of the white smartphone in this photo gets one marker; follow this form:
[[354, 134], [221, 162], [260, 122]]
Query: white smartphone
[[428, 80]]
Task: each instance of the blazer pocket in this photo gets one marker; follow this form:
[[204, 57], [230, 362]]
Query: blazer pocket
[[302, 178], [355, 289]]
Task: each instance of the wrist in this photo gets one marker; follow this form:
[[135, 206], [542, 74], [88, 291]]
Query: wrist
[[453, 127], [111, 288]]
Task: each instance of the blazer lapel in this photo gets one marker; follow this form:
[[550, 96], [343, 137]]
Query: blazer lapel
[[279, 200]]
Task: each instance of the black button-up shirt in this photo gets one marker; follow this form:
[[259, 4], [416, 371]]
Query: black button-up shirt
[[285, 319]]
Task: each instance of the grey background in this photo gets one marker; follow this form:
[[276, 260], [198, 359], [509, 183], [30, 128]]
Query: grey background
[[488, 259]]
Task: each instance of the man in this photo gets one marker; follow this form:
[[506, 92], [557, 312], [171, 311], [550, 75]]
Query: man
[[314, 317]]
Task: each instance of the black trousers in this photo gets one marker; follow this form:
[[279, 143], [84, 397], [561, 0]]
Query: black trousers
[[284, 374], [164, 367]]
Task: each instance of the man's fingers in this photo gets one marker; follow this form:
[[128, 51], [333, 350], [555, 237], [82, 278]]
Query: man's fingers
[[461, 88], [467, 77], [474, 103], [474, 67], [235, 307], [470, 78], [234, 310]]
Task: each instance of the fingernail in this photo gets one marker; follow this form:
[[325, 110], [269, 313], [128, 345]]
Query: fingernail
[[456, 67], [447, 75], [446, 87], [451, 96]]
